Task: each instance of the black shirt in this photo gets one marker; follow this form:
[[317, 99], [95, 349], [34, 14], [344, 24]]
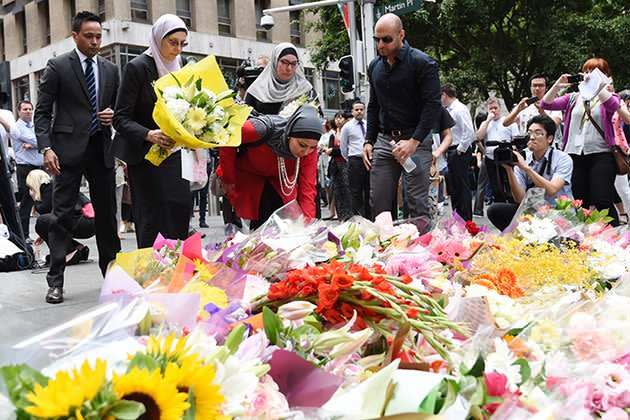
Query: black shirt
[[404, 96], [268, 108], [446, 121]]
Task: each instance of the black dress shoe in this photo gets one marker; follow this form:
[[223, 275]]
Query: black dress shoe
[[54, 295], [203, 224]]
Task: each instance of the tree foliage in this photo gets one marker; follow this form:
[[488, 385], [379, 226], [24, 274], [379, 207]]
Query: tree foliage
[[497, 45]]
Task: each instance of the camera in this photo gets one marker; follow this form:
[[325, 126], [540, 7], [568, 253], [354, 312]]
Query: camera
[[574, 79], [503, 153], [247, 73], [532, 100], [266, 21]]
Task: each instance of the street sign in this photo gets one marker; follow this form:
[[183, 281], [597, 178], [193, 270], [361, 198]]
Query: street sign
[[399, 7]]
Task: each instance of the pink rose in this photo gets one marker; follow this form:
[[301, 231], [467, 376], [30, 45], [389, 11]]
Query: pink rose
[[496, 384]]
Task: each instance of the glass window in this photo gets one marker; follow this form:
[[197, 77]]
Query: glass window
[[22, 91], [228, 67], [295, 19], [100, 10], [140, 11], [332, 92], [183, 10], [224, 16], [261, 33], [20, 20], [128, 53], [310, 75], [44, 18]]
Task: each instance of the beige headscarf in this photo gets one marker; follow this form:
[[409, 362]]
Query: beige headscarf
[[34, 181], [165, 25]]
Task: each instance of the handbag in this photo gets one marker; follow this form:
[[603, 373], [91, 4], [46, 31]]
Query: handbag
[[622, 161]]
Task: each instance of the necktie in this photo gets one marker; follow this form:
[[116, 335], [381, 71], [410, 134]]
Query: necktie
[[90, 81], [362, 127]]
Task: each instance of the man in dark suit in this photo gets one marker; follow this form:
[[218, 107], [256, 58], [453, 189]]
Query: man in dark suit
[[77, 93]]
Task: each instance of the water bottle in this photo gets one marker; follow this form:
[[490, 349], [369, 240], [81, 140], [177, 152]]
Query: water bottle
[[409, 165], [4, 231]]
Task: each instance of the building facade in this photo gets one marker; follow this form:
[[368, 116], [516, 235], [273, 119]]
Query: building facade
[[33, 31]]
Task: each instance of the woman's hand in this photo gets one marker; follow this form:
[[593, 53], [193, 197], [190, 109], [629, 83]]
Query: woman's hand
[[563, 81], [159, 138]]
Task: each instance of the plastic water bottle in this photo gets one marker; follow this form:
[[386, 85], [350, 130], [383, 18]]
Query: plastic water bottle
[[4, 231], [409, 165]]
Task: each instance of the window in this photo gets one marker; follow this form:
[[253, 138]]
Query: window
[[22, 91], [140, 11], [72, 6], [332, 93], [184, 11], [295, 20], [228, 68], [100, 10], [310, 75], [20, 21], [224, 16], [44, 18], [261, 33], [128, 53]]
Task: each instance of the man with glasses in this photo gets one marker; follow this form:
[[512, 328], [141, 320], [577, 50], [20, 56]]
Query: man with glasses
[[403, 110], [543, 167]]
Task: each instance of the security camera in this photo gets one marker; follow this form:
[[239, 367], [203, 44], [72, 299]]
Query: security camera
[[267, 22]]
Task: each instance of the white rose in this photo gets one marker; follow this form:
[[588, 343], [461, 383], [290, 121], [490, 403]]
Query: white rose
[[171, 93], [178, 108]]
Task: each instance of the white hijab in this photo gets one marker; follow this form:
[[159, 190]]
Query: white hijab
[[267, 88], [163, 26]]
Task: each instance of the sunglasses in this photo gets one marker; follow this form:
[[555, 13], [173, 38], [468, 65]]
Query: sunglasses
[[174, 43], [386, 39]]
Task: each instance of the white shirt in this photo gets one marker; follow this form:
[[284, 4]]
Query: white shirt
[[352, 138], [84, 57], [497, 132], [463, 132]]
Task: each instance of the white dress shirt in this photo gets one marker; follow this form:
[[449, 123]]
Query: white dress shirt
[[84, 57], [497, 132], [463, 132], [352, 138]]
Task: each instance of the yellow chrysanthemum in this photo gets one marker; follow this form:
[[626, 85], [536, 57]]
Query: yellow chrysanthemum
[[160, 397], [195, 119], [198, 378], [207, 294], [67, 391], [167, 349]]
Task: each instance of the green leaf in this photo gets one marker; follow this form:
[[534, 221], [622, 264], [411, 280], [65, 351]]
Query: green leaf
[[235, 338], [190, 80], [477, 369], [191, 412], [272, 325], [176, 80], [198, 84], [20, 381], [516, 331], [526, 371], [126, 410], [228, 94], [449, 394], [143, 361], [305, 329], [427, 406]]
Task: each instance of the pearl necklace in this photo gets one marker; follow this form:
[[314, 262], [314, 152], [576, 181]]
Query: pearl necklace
[[287, 185]]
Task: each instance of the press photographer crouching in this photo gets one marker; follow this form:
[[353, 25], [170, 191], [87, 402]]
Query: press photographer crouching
[[543, 167]]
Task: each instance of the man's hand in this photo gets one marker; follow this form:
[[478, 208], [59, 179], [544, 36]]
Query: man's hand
[[106, 116], [520, 162], [522, 105], [404, 149], [51, 162], [367, 155], [159, 138]]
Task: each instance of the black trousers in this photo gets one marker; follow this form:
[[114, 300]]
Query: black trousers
[[26, 202], [83, 229], [498, 182], [161, 200], [458, 183], [338, 171], [270, 201], [501, 214], [593, 182], [103, 196], [359, 180]]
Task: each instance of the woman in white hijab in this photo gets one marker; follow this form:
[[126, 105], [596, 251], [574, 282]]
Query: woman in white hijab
[[281, 82], [161, 199]]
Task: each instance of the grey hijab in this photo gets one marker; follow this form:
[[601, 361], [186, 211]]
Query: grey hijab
[[267, 88], [276, 130]]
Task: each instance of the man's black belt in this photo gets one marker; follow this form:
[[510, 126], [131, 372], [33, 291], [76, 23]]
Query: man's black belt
[[399, 133], [496, 143]]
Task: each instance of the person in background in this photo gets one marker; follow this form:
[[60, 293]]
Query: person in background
[[588, 138], [543, 167], [73, 119], [281, 82], [482, 176], [276, 164], [27, 158], [622, 186], [338, 170], [40, 188], [352, 141], [161, 198]]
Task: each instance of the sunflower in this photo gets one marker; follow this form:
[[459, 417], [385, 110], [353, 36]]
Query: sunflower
[[198, 378], [64, 394], [169, 349], [160, 397]]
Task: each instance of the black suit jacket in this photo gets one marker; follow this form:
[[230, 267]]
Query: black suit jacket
[[133, 117], [63, 113]]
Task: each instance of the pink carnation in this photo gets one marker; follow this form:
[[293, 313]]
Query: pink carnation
[[591, 345]]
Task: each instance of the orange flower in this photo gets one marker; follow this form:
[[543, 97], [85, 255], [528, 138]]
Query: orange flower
[[518, 346]]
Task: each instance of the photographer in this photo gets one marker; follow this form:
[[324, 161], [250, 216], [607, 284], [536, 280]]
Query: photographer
[[543, 167]]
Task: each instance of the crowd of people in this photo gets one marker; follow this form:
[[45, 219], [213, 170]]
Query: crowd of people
[[388, 155]]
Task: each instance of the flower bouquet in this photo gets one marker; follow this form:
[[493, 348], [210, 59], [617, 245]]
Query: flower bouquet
[[196, 108]]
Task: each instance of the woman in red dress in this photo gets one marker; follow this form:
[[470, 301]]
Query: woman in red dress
[[275, 164]]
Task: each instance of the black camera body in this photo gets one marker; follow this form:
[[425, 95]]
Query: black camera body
[[503, 153], [575, 79], [247, 73]]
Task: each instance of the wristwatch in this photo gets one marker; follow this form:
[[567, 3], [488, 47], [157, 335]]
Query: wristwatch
[[45, 149]]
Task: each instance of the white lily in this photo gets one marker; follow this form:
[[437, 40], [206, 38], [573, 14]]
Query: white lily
[[355, 341], [296, 310], [329, 339]]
